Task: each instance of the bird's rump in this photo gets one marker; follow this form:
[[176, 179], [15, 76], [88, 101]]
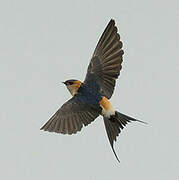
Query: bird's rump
[[105, 64], [71, 117]]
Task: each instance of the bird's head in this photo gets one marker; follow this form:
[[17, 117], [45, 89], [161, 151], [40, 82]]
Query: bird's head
[[73, 85]]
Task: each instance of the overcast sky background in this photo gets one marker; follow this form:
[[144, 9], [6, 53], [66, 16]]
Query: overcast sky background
[[45, 42]]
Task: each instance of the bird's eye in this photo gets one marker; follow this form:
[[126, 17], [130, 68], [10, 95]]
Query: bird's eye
[[70, 83]]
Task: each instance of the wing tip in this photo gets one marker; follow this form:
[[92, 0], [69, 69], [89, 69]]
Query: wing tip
[[43, 128], [112, 21]]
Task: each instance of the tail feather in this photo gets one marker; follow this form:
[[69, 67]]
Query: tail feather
[[112, 134], [124, 118], [113, 128]]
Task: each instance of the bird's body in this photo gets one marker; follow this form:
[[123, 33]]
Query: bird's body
[[91, 97], [90, 93]]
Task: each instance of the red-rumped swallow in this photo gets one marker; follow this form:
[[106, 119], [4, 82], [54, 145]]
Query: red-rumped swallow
[[91, 97]]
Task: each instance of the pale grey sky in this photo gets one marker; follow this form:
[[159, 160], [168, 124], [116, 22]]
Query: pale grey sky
[[45, 42]]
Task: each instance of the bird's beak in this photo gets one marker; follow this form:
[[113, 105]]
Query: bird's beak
[[64, 83]]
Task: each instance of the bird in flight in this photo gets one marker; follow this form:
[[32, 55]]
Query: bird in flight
[[91, 97]]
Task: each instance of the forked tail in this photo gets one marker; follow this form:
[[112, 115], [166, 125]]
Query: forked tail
[[115, 124]]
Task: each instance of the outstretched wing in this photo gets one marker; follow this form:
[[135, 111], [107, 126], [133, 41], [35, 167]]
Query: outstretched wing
[[71, 117], [105, 64]]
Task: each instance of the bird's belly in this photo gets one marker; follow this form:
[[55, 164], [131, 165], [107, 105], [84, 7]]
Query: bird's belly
[[107, 108]]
